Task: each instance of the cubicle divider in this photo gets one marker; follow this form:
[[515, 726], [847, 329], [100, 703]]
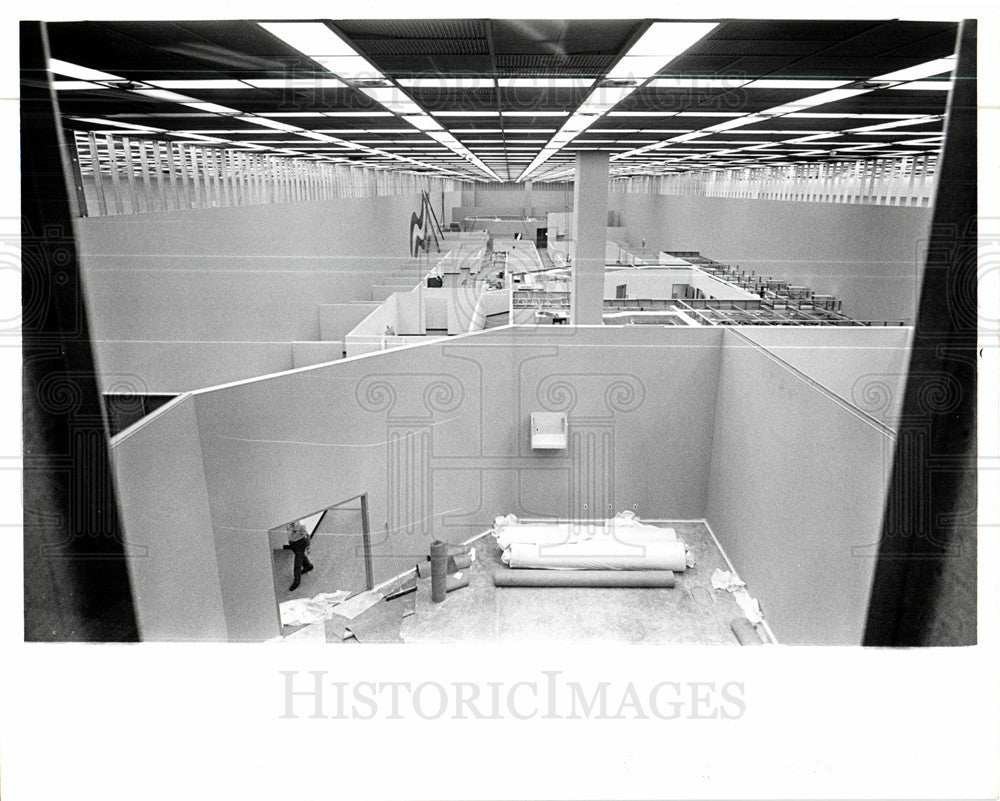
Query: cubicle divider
[[404, 316], [491, 303], [798, 482]]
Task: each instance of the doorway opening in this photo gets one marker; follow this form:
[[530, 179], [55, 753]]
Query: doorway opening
[[339, 550]]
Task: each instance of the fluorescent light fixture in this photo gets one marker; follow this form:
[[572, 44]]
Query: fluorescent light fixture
[[809, 115], [227, 131], [75, 86], [447, 83], [76, 71], [537, 113], [677, 82], [774, 131], [213, 108], [423, 122], [163, 94], [793, 83], [287, 114], [689, 136], [542, 82], [812, 138], [466, 113], [319, 137], [657, 47], [359, 114], [926, 70], [322, 45], [643, 113], [199, 84], [832, 96], [709, 114], [604, 98], [198, 137], [895, 124], [280, 126], [925, 86], [117, 124], [319, 82], [738, 122], [392, 98]]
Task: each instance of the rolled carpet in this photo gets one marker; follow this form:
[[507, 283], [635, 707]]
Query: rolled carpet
[[568, 533], [598, 555], [583, 578]]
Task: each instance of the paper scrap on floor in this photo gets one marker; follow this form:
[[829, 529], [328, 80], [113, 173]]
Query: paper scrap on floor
[[725, 580], [300, 611]]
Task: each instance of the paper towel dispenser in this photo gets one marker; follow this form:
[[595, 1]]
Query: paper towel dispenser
[[549, 431]]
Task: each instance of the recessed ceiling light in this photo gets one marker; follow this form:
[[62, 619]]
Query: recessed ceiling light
[[76, 71], [199, 84], [317, 82]]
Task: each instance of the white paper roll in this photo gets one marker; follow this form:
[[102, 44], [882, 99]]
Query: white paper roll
[[567, 533], [601, 554]]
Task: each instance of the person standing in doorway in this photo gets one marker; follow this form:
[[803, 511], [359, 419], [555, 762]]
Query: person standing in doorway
[[298, 543]]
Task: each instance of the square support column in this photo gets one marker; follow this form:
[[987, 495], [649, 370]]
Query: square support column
[[590, 214]]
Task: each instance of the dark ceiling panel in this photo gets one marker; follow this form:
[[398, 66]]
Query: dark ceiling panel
[[416, 66], [528, 98], [412, 28], [586, 66], [410, 47], [793, 30]]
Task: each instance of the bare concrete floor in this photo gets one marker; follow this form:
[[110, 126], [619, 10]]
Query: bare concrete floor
[[690, 612]]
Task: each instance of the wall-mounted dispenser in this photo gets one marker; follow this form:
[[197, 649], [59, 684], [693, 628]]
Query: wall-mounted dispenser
[[549, 431]]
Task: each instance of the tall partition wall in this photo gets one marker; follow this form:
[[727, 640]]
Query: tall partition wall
[[800, 466]]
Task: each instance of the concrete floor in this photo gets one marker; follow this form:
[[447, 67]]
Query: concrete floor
[[690, 612]]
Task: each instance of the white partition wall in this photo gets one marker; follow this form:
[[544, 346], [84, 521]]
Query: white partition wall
[[169, 540], [797, 488]]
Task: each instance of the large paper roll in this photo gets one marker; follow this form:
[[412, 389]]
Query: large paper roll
[[583, 578], [567, 533], [598, 555]]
